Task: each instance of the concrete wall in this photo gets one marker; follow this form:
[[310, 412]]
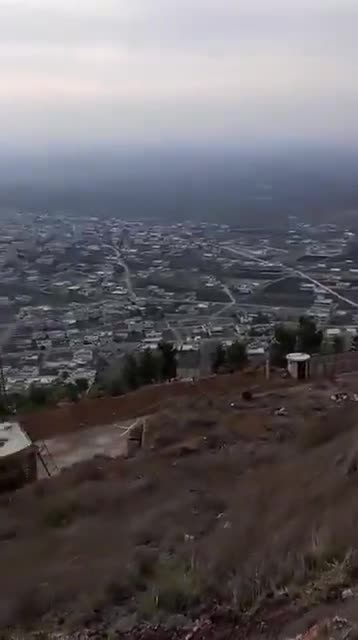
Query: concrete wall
[[18, 469], [330, 365]]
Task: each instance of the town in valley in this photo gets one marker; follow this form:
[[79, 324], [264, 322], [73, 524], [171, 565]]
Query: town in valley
[[78, 293]]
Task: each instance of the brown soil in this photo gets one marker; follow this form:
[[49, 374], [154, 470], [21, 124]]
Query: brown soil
[[232, 515], [93, 412]]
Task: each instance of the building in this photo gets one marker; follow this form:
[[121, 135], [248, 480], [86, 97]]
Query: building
[[18, 457]]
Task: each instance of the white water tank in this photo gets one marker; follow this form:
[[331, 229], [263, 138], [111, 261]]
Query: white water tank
[[298, 365]]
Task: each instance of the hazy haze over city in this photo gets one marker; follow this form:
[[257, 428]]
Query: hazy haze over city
[[125, 81], [143, 71]]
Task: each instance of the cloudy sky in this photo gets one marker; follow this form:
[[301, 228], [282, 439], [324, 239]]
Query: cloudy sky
[[89, 71]]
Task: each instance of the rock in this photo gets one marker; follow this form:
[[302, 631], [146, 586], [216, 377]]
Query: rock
[[346, 594]]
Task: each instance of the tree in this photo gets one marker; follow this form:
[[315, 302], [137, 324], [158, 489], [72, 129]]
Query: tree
[[130, 373], [355, 342], [338, 344], [261, 318], [82, 384], [4, 411], [38, 395], [168, 364], [284, 343], [116, 387], [148, 369], [218, 359], [72, 392], [309, 338], [236, 355], [65, 375]]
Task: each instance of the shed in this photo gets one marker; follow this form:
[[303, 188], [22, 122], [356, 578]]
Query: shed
[[18, 457]]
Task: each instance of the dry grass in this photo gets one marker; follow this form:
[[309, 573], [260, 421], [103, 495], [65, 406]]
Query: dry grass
[[325, 428], [242, 517]]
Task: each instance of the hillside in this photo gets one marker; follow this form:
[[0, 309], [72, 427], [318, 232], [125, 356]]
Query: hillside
[[237, 520]]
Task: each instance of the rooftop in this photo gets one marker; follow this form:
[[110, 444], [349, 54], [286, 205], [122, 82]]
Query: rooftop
[[298, 357], [12, 439]]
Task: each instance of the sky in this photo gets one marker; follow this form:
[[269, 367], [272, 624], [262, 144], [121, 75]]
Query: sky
[[86, 72]]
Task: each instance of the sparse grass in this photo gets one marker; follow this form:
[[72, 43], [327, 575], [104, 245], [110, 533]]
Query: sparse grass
[[175, 588], [326, 428], [264, 520], [59, 514]]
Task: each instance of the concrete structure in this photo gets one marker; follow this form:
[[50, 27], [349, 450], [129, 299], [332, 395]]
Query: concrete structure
[[298, 365], [18, 457]]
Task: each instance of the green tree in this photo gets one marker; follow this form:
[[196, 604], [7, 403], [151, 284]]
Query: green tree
[[72, 392], [130, 373], [38, 395], [261, 318], [355, 342], [82, 384], [116, 387], [4, 411], [338, 344], [168, 364], [148, 369], [284, 343], [309, 338], [236, 355], [218, 359]]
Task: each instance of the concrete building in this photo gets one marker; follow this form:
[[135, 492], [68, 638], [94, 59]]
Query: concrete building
[[18, 457]]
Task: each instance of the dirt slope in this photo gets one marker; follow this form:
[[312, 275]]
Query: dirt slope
[[94, 412], [234, 516]]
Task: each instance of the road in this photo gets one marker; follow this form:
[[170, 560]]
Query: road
[[127, 273], [226, 307], [293, 272], [325, 288], [228, 293]]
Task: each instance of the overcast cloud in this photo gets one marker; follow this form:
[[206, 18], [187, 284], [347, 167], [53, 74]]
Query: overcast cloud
[[75, 71]]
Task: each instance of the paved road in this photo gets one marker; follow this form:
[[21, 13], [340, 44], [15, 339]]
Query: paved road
[[292, 271], [127, 273], [226, 307], [228, 292]]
